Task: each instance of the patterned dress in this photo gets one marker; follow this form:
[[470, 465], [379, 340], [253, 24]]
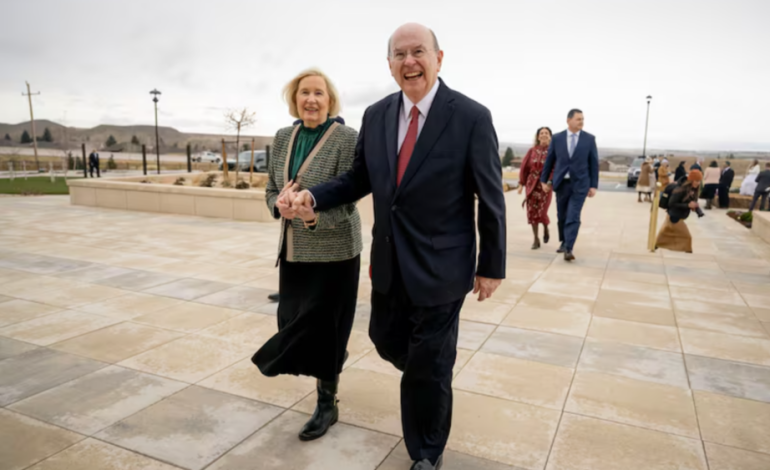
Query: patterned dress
[[537, 200]]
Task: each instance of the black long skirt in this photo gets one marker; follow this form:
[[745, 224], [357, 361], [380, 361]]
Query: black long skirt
[[315, 317]]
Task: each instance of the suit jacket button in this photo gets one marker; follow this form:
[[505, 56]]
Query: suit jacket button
[[387, 239], [394, 208]]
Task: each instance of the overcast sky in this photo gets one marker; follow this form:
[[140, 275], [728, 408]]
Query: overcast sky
[[705, 62]]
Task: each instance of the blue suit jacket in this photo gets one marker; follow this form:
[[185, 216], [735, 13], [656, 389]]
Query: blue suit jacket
[[583, 167], [429, 220]]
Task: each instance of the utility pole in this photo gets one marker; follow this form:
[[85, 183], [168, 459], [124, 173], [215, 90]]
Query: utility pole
[[32, 118]]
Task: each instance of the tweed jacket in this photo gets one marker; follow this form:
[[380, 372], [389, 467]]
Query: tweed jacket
[[337, 235]]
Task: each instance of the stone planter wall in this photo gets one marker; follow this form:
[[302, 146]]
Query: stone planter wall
[[163, 197]]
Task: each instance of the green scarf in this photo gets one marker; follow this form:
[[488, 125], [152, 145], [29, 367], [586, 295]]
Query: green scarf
[[307, 139]]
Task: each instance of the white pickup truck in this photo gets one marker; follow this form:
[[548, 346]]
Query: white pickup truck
[[207, 157]]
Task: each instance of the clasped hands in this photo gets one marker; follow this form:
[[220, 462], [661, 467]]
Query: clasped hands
[[295, 204]]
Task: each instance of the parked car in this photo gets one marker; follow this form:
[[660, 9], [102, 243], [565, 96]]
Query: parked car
[[634, 170], [207, 157], [244, 161]]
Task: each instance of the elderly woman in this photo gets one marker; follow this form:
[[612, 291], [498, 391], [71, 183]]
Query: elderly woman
[[674, 235], [319, 253], [537, 200], [645, 182]]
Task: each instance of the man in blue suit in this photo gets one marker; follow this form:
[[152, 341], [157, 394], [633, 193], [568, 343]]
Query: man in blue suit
[[572, 170], [425, 154]]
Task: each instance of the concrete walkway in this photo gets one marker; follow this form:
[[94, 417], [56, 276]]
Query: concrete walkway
[[126, 337]]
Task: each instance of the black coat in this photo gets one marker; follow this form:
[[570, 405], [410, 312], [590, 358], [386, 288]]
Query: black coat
[[678, 205], [680, 173], [429, 220], [763, 182], [727, 177]]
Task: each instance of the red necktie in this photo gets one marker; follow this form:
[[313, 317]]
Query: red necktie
[[408, 146]]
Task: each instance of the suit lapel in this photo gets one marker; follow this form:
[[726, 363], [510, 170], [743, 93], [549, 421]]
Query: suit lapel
[[566, 143], [440, 112], [391, 135]]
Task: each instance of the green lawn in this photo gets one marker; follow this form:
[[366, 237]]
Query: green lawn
[[33, 185]]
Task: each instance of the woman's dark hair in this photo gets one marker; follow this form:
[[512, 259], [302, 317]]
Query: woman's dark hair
[[537, 134], [681, 163], [713, 164]]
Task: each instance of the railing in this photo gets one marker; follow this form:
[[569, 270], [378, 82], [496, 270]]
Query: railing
[[653, 233]]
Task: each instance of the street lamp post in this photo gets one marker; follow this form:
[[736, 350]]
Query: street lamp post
[[646, 123], [155, 94]]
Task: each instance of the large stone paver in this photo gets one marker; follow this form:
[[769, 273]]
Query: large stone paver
[[126, 337]]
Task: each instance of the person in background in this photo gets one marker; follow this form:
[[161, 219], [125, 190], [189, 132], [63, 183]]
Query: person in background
[[679, 173], [674, 235], [663, 177], [572, 170], [93, 163], [710, 183], [697, 165], [749, 184], [537, 200], [725, 183], [762, 190], [276, 296], [319, 251], [645, 182]]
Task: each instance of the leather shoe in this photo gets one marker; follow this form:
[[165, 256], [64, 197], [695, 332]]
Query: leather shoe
[[568, 256], [326, 412], [274, 297], [425, 464], [561, 249]]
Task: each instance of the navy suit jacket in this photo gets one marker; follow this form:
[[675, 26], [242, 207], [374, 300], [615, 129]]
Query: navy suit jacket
[[429, 220], [583, 167]]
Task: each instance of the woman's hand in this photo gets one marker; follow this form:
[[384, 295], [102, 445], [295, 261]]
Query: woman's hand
[[521, 188], [286, 199]]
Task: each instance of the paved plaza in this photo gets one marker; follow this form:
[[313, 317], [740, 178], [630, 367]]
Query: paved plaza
[[126, 338]]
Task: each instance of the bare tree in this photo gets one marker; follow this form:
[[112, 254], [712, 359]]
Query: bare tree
[[237, 120]]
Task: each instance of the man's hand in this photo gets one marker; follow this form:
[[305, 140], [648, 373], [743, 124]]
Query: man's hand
[[303, 198], [592, 192], [485, 287], [546, 187]]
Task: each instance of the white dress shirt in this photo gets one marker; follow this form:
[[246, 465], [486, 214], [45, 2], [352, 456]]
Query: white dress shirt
[[405, 113], [569, 137]]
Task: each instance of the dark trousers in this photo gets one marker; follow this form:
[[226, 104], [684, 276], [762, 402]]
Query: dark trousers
[[569, 205], [759, 195], [91, 170], [724, 196], [422, 343]]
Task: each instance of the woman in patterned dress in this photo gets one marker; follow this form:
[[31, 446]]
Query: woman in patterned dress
[[537, 200]]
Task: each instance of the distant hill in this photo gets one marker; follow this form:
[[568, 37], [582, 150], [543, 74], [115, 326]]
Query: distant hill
[[171, 140]]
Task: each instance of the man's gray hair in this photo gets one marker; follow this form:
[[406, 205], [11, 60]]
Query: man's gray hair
[[435, 43]]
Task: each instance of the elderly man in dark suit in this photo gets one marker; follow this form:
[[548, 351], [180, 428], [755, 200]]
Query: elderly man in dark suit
[[425, 154], [572, 170]]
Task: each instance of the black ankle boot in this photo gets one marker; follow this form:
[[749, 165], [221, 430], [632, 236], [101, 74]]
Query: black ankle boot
[[326, 411]]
